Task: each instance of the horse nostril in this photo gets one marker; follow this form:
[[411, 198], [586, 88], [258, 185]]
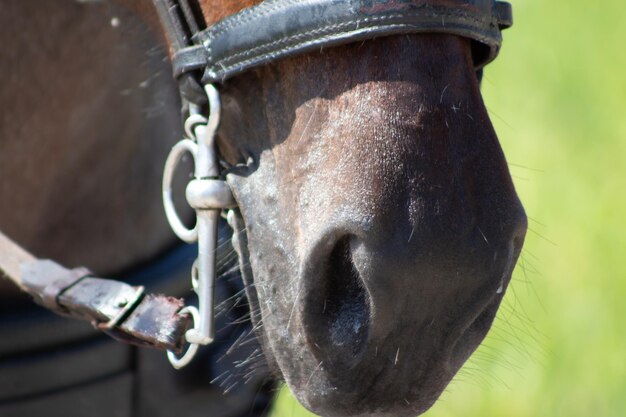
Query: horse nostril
[[341, 325]]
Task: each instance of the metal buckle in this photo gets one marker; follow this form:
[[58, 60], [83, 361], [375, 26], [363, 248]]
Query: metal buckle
[[207, 195]]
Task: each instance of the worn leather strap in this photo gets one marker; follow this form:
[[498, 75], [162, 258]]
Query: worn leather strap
[[275, 29], [122, 311]]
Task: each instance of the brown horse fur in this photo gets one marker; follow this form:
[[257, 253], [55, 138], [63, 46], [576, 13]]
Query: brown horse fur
[[89, 113], [215, 10], [381, 220], [380, 215]]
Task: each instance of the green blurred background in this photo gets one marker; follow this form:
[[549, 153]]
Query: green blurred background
[[557, 97]]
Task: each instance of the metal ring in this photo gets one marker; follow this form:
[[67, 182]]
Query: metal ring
[[184, 360], [185, 145]]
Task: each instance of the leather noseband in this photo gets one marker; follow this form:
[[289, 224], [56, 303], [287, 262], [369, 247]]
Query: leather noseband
[[275, 29]]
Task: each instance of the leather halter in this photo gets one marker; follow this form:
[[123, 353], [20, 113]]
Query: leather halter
[[275, 29]]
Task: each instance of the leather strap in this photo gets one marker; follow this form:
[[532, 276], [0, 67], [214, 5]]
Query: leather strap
[[276, 29], [179, 23], [122, 311]]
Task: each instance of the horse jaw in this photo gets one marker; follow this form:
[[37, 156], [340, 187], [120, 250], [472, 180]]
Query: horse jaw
[[381, 220]]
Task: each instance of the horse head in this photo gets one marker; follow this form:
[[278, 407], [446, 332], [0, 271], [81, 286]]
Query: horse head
[[378, 223], [381, 222]]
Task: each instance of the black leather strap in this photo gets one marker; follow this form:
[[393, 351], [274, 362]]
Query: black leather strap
[[180, 24], [276, 29]]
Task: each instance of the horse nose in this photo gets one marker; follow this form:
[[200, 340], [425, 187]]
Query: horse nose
[[396, 308]]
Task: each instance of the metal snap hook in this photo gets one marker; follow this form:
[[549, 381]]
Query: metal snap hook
[[207, 196]]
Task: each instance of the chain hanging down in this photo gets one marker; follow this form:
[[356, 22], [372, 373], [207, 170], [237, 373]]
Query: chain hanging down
[[207, 195]]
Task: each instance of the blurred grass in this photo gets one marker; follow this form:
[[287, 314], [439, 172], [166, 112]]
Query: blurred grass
[[557, 97]]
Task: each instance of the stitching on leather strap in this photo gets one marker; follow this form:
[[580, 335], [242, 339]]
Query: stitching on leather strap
[[224, 65], [366, 21], [248, 15]]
